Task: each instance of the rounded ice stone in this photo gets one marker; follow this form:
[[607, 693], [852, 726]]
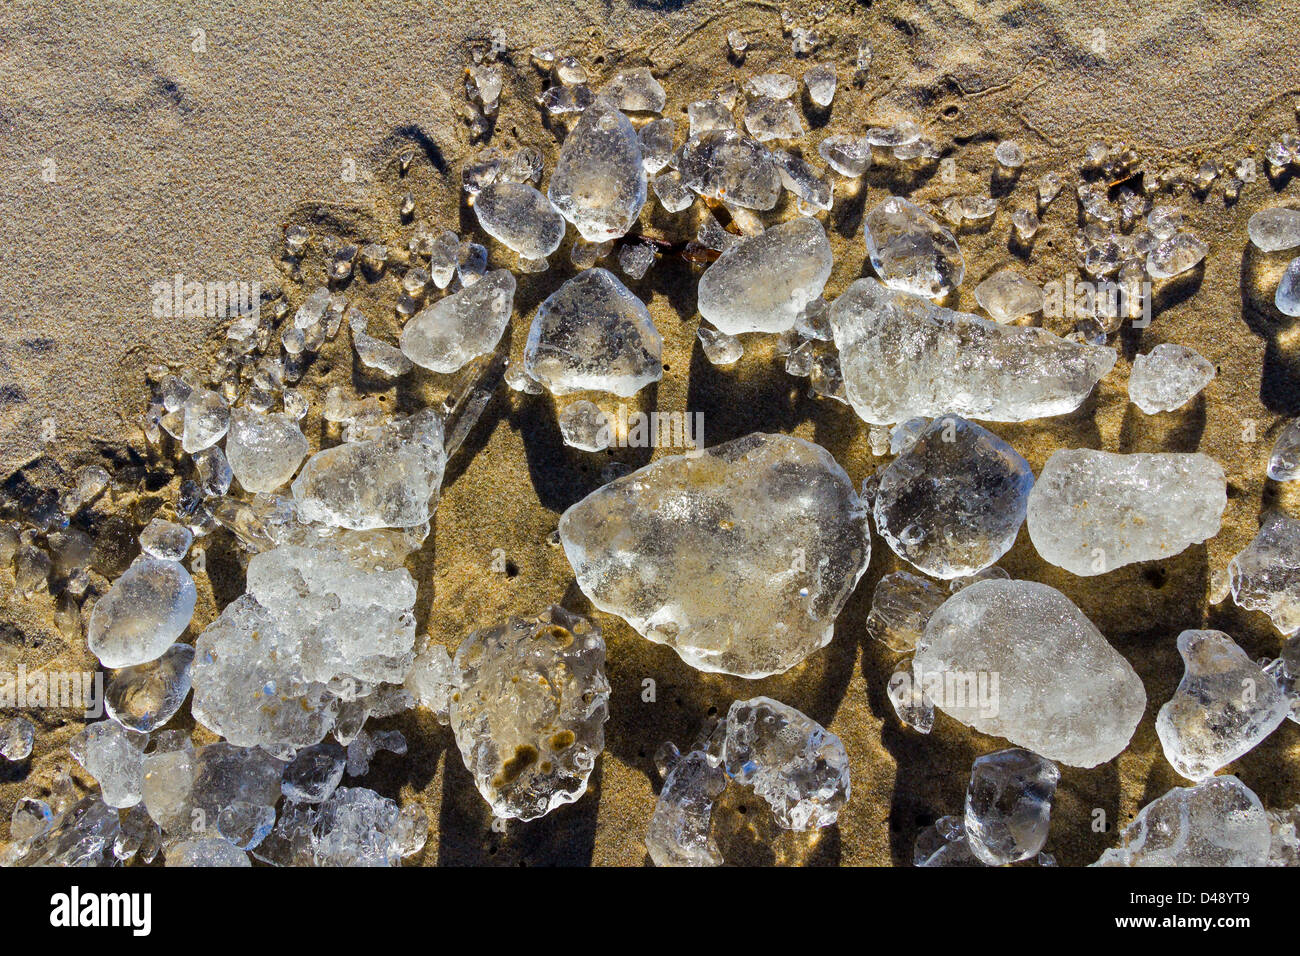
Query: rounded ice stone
[[1224, 705], [1168, 377], [114, 756], [1273, 230], [953, 503], [143, 613], [848, 155], [166, 540], [264, 450], [1217, 823], [763, 283], [599, 182], [445, 336], [593, 333], [1287, 297], [635, 91], [1061, 690], [522, 218], [206, 420], [794, 763], [583, 426], [910, 251], [1173, 256], [723, 165], [1009, 805], [739, 557], [146, 696], [1007, 295], [1091, 512], [17, 736], [529, 710]]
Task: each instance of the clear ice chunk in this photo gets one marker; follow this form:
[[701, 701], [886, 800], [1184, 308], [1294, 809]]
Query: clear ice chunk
[[206, 851], [146, 696], [143, 613], [720, 348], [1275, 230], [679, 827], [1009, 805], [114, 756], [635, 91], [945, 844], [1265, 576], [1284, 461], [723, 165], [910, 251], [165, 540], [314, 773], [820, 81], [1007, 296], [521, 218], [17, 736], [583, 426], [767, 119], [1168, 377], [264, 449], [900, 607], [447, 335], [911, 703], [1287, 297], [848, 155], [1179, 253], [599, 182]]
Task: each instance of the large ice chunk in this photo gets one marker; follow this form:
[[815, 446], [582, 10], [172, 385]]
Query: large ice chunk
[[599, 182]]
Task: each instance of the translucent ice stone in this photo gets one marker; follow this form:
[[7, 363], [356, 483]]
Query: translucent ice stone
[[900, 607], [911, 703], [354, 826], [847, 155], [1287, 297], [777, 86], [373, 353], [1009, 155], [1217, 823], [1273, 230], [206, 420], [1093, 511], [142, 614], [761, 284], [954, 361], [146, 696], [1164, 221], [736, 42], [723, 165], [584, 426], [910, 251], [1266, 575], [1175, 255], [432, 680], [1284, 462], [953, 503], [114, 756], [1061, 690], [820, 81], [30, 819], [1009, 805], [679, 828], [165, 540], [529, 710], [519, 216], [391, 481], [599, 182], [708, 115], [635, 91], [314, 773], [794, 763], [17, 735], [903, 133], [656, 144], [1007, 296], [739, 558], [206, 851], [446, 335], [720, 348], [1225, 705], [636, 259], [363, 747], [593, 333], [264, 450], [1168, 377], [767, 119]]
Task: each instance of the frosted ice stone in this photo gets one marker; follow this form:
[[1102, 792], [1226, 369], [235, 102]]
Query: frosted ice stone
[[17, 736], [911, 703], [264, 449], [635, 260], [1265, 576], [391, 481], [820, 81], [763, 283], [353, 827], [185, 786], [903, 133], [599, 182], [529, 710], [1009, 805], [1217, 823], [953, 503], [794, 763], [723, 165], [593, 333], [1273, 230], [679, 827], [82, 836], [583, 426], [1224, 705], [1284, 461], [635, 91], [165, 540], [656, 144], [810, 188], [719, 347], [910, 251], [146, 696], [445, 336], [848, 155], [1093, 511], [432, 680], [739, 557], [1287, 297], [1007, 296], [143, 613], [708, 115], [1009, 155], [206, 420], [314, 773], [522, 218], [777, 86], [767, 119], [902, 356], [114, 756], [1175, 255], [206, 851], [1168, 377], [900, 607], [1062, 691], [316, 626], [373, 353], [245, 825], [213, 471], [945, 844], [31, 818]]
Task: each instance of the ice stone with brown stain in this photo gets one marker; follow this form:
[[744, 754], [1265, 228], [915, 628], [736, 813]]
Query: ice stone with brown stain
[[739, 557], [1093, 511], [529, 710], [599, 182], [1061, 690], [763, 283], [903, 356]]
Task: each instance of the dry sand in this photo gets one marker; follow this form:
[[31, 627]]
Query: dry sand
[[169, 160]]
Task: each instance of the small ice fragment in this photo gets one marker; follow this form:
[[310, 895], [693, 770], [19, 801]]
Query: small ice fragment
[[17, 736], [522, 218], [820, 81], [1007, 295], [584, 426], [767, 118], [672, 192], [599, 181], [656, 144], [264, 450], [1266, 574], [737, 43], [206, 419], [114, 756], [636, 258], [1284, 462], [911, 703], [166, 539], [1287, 297], [900, 607], [679, 828], [146, 696], [635, 91], [1175, 255], [726, 166], [776, 86], [314, 773], [1009, 155], [1168, 377], [847, 155], [719, 347]]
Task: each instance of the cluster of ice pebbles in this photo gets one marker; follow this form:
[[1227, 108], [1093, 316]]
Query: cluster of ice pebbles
[[740, 557]]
